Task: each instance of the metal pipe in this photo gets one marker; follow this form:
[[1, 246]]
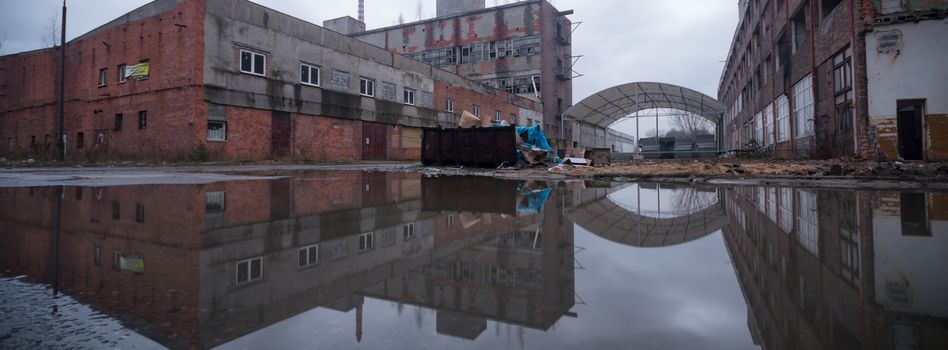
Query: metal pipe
[[62, 90]]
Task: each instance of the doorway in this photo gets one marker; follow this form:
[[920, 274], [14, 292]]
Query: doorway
[[911, 124]]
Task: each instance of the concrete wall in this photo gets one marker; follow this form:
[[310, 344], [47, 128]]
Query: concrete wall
[[915, 71], [453, 7]]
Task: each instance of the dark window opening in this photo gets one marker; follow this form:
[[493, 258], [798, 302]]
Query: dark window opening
[[80, 140], [800, 31], [139, 213], [829, 6], [116, 211], [118, 122], [915, 215], [78, 193], [142, 119], [910, 119]]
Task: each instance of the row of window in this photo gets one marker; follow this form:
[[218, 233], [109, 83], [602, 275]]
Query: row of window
[[125, 72], [255, 63], [479, 52]]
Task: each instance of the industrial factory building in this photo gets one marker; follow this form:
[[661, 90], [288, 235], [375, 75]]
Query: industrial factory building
[[232, 80], [831, 78]]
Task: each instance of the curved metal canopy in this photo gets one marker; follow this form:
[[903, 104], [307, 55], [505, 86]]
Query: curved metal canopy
[[608, 106]]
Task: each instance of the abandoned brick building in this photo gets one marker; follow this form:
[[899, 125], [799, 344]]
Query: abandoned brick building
[[523, 48], [247, 81], [830, 78]]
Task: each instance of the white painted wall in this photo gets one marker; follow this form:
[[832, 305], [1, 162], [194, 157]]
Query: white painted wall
[[918, 71], [914, 266]]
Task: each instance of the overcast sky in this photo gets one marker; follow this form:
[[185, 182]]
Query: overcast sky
[[680, 42]]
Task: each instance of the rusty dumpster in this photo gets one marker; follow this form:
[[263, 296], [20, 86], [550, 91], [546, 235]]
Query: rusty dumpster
[[479, 147]]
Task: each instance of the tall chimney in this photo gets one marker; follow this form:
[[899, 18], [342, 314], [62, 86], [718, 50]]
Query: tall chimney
[[362, 11]]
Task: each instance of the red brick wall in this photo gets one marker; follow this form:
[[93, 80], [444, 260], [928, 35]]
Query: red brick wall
[[172, 42], [248, 135], [326, 139]]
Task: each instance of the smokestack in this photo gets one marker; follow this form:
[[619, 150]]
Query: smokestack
[[362, 11]]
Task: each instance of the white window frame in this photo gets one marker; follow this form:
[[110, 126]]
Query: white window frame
[[477, 111], [803, 107], [786, 210], [249, 263], [366, 87], [216, 198], [253, 60], [103, 77], [311, 256], [408, 231], [219, 135], [808, 222], [759, 129], [408, 97], [769, 138], [783, 118], [121, 73], [449, 105], [450, 220], [498, 115], [366, 242], [307, 78]]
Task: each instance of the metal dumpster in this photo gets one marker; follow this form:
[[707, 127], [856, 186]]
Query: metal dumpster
[[483, 147]]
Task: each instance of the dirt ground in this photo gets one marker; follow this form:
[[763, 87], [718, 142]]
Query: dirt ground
[[766, 168]]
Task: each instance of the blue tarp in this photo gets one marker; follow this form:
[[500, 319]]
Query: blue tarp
[[534, 201], [534, 135]]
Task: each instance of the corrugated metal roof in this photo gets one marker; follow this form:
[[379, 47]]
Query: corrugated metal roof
[[613, 104]]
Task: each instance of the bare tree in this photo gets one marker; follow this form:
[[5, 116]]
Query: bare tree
[[401, 19], [691, 126], [50, 37]]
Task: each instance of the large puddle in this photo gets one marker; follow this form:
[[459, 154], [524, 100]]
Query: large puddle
[[372, 260]]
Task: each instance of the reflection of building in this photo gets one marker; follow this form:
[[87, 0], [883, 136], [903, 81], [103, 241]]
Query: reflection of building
[[202, 265], [836, 269]]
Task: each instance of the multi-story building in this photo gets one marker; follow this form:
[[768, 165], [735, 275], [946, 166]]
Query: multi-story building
[[244, 82], [796, 78], [523, 48]]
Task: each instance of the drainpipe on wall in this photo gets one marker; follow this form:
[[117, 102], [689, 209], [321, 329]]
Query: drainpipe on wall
[[852, 46]]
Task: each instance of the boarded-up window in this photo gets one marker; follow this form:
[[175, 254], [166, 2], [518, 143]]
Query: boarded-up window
[[411, 138]]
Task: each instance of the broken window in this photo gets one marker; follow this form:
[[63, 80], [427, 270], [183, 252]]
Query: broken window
[[367, 87], [800, 31], [118, 122], [249, 270], [142, 119], [409, 97], [309, 74], [803, 107], [843, 87], [103, 77], [253, 62]]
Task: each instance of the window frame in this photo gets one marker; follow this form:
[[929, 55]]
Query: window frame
[[309, 70], [408, 96], [310, 261], [253, 65], [250, 278], [366, 87], [408, 231], [366, 242], [121, 73], [103, 77], [223, 132], [142, 120], [449, 105], [477, 110], [804, 109]]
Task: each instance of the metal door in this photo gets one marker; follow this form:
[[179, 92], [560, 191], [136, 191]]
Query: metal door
[[374, 141]]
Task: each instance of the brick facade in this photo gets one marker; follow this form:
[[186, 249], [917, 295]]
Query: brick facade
[[174, 99]]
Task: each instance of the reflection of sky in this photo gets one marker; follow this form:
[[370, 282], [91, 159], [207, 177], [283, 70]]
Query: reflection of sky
[[681, 297], [663, 204]]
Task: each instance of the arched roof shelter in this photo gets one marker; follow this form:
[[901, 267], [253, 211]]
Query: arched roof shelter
[[608, 106]]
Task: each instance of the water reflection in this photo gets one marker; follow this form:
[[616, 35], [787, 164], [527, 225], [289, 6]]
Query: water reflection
[[841, 269], [345, 257]]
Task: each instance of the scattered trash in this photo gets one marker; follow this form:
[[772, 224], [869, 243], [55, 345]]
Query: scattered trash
[[29, 161], [468, 120]]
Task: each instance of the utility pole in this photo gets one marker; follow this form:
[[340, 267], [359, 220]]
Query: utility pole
[[62, 90]]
